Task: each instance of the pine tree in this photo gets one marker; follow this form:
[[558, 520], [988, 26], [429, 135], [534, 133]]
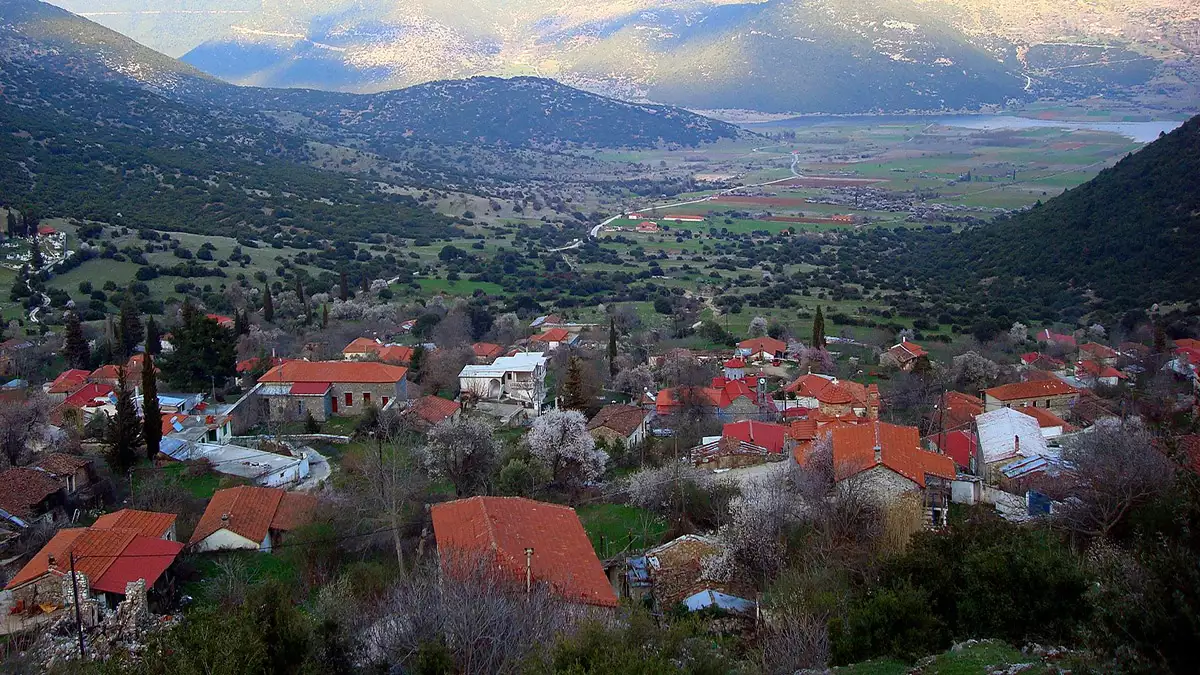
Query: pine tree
[[364, 284], [303, 299], [612, 346], [204, 353], [325, 315], [11, 222], [344, 287], [124, 430], [818, 334], [239, 323], [151, 413], [75, 345], [35, 260], [129, 327], [153, 337], [268, 305], [416, 364], [573, 397]]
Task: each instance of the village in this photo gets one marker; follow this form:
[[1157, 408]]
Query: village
[[88, 571]]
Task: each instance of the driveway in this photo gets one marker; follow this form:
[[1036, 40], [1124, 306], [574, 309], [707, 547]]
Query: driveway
[[319, 470]]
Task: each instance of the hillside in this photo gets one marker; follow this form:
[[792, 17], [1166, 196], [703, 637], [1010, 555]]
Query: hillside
[[771, 55]]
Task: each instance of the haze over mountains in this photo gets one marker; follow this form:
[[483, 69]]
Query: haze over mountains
[[767, 55]]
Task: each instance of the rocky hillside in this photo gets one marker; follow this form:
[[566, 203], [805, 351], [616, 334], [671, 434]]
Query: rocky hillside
[[769, 55]]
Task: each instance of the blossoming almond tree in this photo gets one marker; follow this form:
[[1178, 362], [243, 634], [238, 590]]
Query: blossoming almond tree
[[560, 440]]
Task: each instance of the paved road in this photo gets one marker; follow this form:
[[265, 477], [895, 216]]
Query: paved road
[[319, 471]]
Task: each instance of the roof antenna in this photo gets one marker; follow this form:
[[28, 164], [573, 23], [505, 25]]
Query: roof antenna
[[878, 445]]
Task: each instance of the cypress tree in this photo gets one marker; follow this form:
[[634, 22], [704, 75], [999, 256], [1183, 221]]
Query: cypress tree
[[344, 287], [153, 337], [75, 345], [124, 430], [268, 305], [151, 413], [35, 259], [325, 315], [239, 323], [573, 397], [818, 334], [129, 327], [365, 284], [11, 223], [612, 346]]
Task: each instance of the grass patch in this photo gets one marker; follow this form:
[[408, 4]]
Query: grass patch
[[202, 487], [973, 659], [614, 528]]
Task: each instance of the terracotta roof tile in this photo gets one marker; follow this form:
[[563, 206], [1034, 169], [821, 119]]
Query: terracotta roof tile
[[552, 335], [61, 464], [146, 523], [505, 526], [88, 395], [623, 419], [362, 345], [487, 350], [766, 345], [433, 409], [295, 510], [773, 437], [22, 488], [1046, 419], [68, 381], [335, 371], [854, 452], [397, 355], [250, 510], [1032, 389]]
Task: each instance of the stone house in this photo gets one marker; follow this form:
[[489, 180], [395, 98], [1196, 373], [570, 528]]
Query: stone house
[[75, 474], [625, 423], [905, 355], [330, 388], [1051, 393], [30, 495], [429, 411]]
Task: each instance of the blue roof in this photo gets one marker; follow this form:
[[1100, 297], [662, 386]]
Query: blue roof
[[711, 598], [1033, 464], [639, 572], [174, 448]]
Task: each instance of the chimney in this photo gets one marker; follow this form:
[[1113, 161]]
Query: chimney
[[224, 518], [528, 569], [878, 445], [1017, 444], [750, 426]]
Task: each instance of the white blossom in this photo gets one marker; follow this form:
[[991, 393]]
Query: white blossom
[[560, 440]]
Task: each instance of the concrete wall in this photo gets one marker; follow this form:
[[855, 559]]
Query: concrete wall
[[292, 474], [224, 540], [1059, 405], [880, 484]]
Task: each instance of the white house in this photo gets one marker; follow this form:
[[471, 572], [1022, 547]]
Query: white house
[[1006, 434], [520, 378], [252, 518]]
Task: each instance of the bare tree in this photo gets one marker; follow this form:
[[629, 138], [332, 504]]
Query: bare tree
[[758, 327], [634, 381], [463, 451], [454, 330], [507, 329], [1113, 468], [22, 423], [487, 620], [973, 372], [385, 487], [441, 369]]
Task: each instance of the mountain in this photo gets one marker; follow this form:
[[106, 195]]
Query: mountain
[[833, 56]]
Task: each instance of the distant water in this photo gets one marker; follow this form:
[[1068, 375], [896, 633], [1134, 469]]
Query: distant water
[[1142, 132]]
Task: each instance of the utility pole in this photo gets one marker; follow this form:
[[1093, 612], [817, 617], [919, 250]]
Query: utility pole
[[78, 615], [528, 569]]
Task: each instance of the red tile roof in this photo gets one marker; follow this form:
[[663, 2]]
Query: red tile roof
[[487, 350], [433, 409], [907, 351], [254, 511], [105, 373], [1098, 351], [110, 558], [310, 388], [335, 371], [169, 420], [60, 464], [504, 527], [1047, 419], [723, 393], [552, 335], [362, 345], [623, 419], [68, 381], [854, 452], [803, 430], [832, 391], [250, 365], [88, 395], [146, 523], [766, 345], [22, 488], [1187, 343], [397, 355], [773, 437], [1098, 370], [1018, 391], [735, 363], [1049, 336], [222, 321]]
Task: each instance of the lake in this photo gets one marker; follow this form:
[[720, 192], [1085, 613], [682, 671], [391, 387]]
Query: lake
[[1142, 132]]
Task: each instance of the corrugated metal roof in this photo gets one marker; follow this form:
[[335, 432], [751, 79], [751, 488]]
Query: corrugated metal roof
[[711, 598]]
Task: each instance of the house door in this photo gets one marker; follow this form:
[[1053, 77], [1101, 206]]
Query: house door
[[335, 403]]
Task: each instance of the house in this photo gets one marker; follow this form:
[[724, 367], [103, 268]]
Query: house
[[1040, 361], [960, 445], [673, 575], [617, 422], [486, 352], [834, 397], [429, 411], [363, 349], [1049, 336], [75, 474], [553, 338], [145, 523], [1052, 425], [260, 467], [520, 378], [546, 321], [1051, 393], [1102, 354], [106, 562], [1091, 409], [222, 320], [728, 452], [522, 541], [109, 375], [1098, 373], [193, 429], [68, 382], [728, 400], [773, 437], [330, 388], [762, 349], [647, 226], [31, 495], [905, 355], [251, 517], [885, 462], [1006, 434]]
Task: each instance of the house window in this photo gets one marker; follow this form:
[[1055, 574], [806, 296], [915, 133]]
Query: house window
[[384, 401], [349, 399], [366, 398], [70, 483]]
